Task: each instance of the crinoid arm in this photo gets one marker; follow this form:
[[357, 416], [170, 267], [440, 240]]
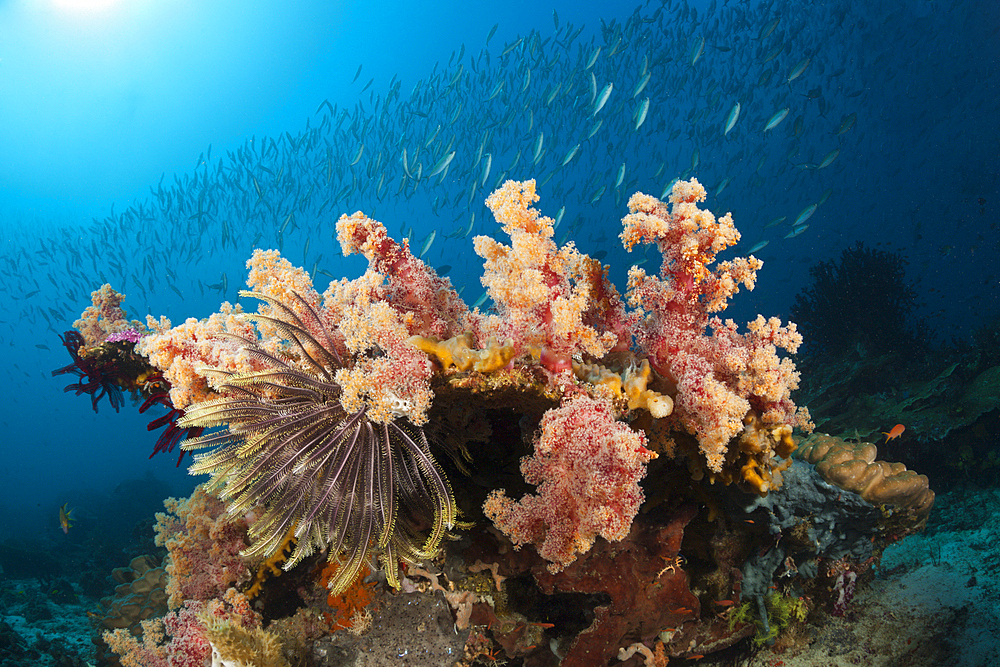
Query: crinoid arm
[[338, 480]]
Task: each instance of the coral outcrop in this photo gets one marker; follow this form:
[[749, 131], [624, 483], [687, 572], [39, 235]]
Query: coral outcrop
[[621, 463]]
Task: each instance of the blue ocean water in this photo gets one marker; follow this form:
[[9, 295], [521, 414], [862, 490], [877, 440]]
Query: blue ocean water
[[154, 145]]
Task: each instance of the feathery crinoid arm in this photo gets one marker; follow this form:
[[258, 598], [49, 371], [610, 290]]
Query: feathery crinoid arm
[[342, 482]]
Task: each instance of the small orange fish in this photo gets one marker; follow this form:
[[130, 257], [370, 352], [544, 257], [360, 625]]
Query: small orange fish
[[65, 516], [696, 656], [724, 603], [896, 431]]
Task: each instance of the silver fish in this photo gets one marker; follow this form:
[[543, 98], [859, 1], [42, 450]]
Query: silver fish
[[427, 242], [847, 122], [641, 112], [830, 157], [537, 154], [602, 98], [798, 69], [442, 164], [734, 115], [570, 155], [641, 85], [776, 119], [806, 213], [697, 50]]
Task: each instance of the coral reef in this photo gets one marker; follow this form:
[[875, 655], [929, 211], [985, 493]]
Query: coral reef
[[719, 378], [221, 631], [203, 545], [554, 300], [622, 464], [104, 370], [629, 382], [341, 478], [105, 320], [140, 595], [458, 352], [234, 644], [179, 351], [113, 367]]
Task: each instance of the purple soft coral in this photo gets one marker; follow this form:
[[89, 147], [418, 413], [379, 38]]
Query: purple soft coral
[[129, 335]]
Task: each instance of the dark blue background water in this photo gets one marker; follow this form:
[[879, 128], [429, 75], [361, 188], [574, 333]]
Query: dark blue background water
[[107, 115]]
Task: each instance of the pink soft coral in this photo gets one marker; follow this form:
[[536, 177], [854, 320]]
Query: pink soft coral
[[587, 467], [722, 376], [204, 545]]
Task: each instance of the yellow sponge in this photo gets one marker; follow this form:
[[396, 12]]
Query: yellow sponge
[[458, 352]]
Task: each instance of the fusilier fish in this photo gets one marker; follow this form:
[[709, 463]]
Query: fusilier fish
[[602, 99], [805, 214], [776, 119], [734, 115], [830, 157], [798, 69], [641, 113], [442, 164], [697, 50]]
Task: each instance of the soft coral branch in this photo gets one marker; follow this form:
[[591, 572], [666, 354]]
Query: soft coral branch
[[722, 375]]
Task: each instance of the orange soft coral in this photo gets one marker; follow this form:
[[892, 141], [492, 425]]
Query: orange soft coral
[[427, 302], [183, 351], [547, 298], [103, 317], [204, 544]]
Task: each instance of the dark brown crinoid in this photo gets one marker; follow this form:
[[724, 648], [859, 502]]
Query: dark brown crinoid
[[338, 480]]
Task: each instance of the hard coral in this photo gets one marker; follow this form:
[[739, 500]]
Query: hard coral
[[129, 614], [853, 467]]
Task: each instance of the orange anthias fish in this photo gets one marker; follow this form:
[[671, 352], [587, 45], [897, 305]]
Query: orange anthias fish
[[65, 516], [896, 431]]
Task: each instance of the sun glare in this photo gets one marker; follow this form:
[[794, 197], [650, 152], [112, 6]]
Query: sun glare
[[84, 5]]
